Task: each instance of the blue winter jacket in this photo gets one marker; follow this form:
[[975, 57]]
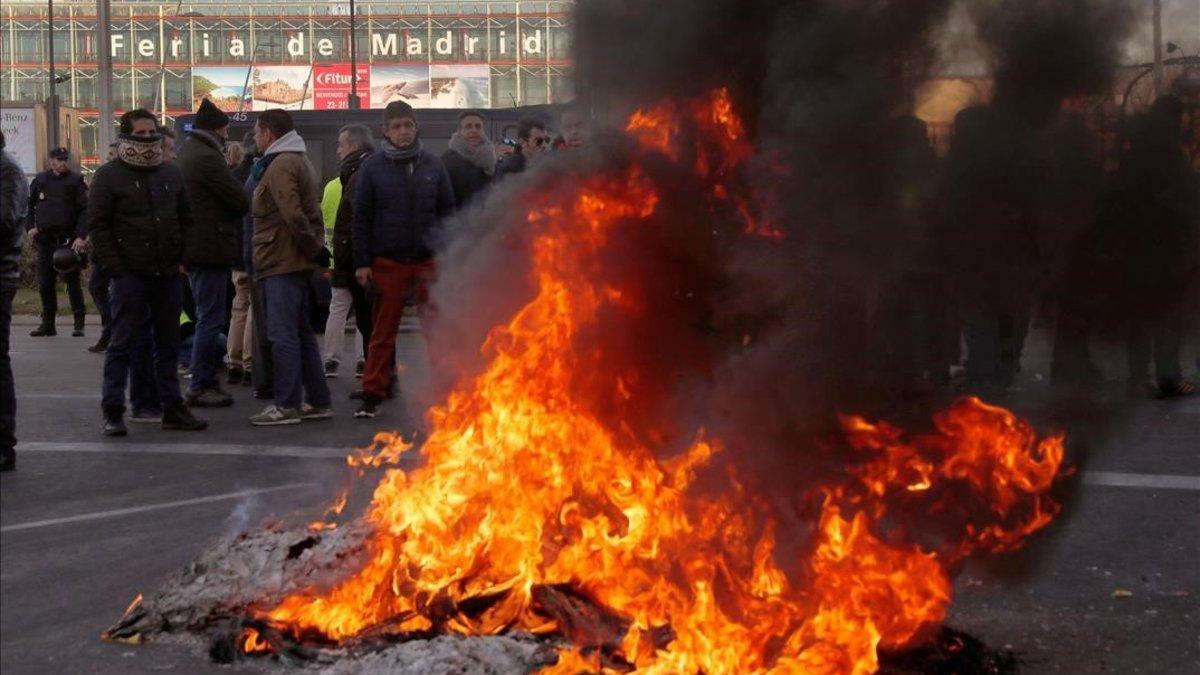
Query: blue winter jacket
[[398, 208]]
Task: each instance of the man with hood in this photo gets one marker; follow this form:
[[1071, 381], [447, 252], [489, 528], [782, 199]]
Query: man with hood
[[288, 238], [57, 210], [471, 158], [138, 219], [13, 198], [402, 194], [211, 247]]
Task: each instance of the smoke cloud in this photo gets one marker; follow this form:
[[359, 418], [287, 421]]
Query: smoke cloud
[[760, 341]]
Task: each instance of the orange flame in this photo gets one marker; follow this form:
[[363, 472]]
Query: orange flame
[[522, 486], [254, 643]]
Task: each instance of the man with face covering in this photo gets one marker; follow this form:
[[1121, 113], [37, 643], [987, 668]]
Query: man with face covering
[[471, 158], [138, 216], [403, 193]]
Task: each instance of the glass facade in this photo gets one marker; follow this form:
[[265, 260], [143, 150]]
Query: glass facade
[[292, 54]]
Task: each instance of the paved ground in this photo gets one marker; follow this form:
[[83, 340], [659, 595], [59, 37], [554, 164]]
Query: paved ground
[[87, 523]]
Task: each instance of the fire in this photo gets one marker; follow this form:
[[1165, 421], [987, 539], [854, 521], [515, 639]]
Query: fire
[[524, 486]]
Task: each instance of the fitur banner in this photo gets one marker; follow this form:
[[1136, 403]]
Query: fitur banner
[[327, 87]]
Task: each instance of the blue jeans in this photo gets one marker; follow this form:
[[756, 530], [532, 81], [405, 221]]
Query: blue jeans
[[209, 286], [139, 303], [295, 355], [98, 286]]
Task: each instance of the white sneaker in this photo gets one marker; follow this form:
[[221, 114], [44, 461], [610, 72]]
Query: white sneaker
[[273, 416]]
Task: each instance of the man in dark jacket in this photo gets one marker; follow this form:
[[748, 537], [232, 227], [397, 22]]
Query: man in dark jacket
[[471, 158], [138, 216], [57, 208], [211, 246], [354, 145], [12, 211], [532, 142], [402, 195]]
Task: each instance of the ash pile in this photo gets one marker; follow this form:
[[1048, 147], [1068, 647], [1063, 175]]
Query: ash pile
[[209, 606]]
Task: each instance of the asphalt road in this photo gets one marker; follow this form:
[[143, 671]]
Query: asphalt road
[[86, 523]]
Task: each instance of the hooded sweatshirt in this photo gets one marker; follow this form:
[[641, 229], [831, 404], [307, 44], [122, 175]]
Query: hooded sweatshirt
[[288, 230]]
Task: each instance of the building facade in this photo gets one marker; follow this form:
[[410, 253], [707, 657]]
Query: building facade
[[167, 56]]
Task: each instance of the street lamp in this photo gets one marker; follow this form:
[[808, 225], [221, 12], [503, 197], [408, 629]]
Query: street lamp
[[52, 104], [353, 102]]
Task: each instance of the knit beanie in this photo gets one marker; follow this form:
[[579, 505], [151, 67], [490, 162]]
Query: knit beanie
[[209, 117]]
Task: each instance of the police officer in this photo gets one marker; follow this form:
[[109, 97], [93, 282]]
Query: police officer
[[57, 216]]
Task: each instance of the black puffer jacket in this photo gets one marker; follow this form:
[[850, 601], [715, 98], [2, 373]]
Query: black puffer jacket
[[343, 225], [137, 219], [58, 204], [217, 202]]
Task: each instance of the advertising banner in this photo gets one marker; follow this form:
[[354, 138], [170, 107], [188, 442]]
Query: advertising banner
[[287, 87], [20, 136], [400, 83], [331, 86], [459, 86], [223, 85]]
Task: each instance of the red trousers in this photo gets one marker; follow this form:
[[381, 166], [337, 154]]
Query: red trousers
[[392, 283]]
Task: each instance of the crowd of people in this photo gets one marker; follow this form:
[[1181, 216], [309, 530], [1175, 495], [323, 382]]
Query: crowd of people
[[203, 256]]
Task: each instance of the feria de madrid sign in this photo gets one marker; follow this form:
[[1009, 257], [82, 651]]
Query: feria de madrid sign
[[529, 42]]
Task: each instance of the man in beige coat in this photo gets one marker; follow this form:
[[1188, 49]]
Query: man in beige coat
[[288, 238]]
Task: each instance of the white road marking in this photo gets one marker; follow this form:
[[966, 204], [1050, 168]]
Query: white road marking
[[301, 451], [1142, 480], [113, 513], [1098, 478]]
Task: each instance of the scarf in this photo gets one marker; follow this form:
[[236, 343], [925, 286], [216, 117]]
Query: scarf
[[406, 154], [482, 155], [260, 166], [143, 151], [351, 163]]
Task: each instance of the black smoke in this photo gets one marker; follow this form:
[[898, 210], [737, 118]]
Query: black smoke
[[763, 342]]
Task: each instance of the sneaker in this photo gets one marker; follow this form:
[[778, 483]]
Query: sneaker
[[100, 347], [78, 332], [114, 426], [359, 368], [369, 407], [273, 416], [146, 417], [44, 331], [179, 418], [315, 412], [209, 398], [248, 378], [234, 375], [331, 368]]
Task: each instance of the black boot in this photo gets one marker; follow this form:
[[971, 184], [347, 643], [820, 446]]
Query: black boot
[[101, 345], [114, 422], [8, 459], [179, 418], [79, 321], [44, 330]]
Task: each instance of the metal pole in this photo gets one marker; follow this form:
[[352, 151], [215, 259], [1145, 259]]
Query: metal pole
[[52, 104], [353, 102], [104, 79], [1158, 49]]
